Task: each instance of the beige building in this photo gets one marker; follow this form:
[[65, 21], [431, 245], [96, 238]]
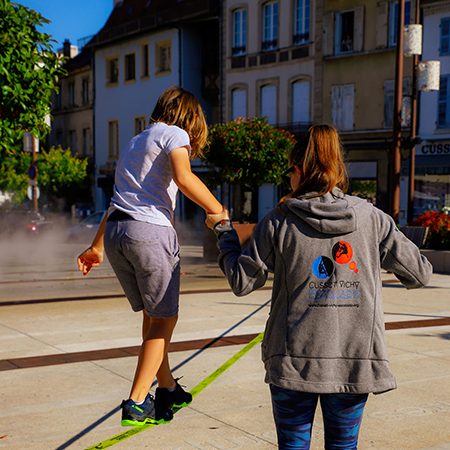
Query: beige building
[[73, 113], [269, 61], [358, 51]]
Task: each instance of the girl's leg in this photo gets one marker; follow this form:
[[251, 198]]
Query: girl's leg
[[157, 332], [293, 412], [164, 374], [342, 416]]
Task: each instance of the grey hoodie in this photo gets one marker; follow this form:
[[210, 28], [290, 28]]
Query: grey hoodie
[[325, 331]]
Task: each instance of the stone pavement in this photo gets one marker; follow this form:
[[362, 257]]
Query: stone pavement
[[49, 404]]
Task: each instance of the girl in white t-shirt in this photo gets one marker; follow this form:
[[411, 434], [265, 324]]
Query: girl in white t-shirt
[[142, 246]]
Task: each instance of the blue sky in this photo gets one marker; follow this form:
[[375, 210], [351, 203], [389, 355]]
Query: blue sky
[[71, 19]]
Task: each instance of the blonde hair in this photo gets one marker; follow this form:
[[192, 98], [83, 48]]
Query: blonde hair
[[320, 160], [176, 106]]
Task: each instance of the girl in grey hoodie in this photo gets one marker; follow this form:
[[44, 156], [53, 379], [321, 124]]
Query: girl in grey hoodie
[[324, 338]]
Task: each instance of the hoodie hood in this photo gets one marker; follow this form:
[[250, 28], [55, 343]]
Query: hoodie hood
[[332, 213]]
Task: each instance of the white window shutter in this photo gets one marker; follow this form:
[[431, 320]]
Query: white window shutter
[[269, 103], [238, 103], [348, 106], [381, 24], [358, 37], [328, 34]]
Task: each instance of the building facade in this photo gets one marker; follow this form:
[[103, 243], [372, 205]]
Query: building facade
[[432, 178], [72, 124], [144, 48], [269, 64], [358, 50]]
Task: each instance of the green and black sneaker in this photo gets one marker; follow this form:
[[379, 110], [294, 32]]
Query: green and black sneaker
[[165, 399], [135, 415]]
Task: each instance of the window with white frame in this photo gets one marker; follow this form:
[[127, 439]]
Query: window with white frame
[[444, 47], [139, 124], [163, 56], [301, 21], [393, 19], [270, 26], [238, 103], [112, 70], [301, 110], [268, 108], [239, 32], [345, 32], [113, 140], [444, 102], [343, 106], [130, 67]]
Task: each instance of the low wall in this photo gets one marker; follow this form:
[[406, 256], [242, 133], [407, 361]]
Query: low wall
[[440, 259]]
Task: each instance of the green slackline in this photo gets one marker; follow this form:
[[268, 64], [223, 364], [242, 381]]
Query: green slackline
[[196, 390]]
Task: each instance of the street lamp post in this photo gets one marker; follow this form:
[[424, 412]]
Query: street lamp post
[[414, 100], [397, 122], [31, 144]]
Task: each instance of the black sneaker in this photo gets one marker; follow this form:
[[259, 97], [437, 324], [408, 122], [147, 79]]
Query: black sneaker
[[134, 415], [165, 399]]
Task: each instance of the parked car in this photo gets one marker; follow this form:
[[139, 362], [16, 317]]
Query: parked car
[[86, 229]]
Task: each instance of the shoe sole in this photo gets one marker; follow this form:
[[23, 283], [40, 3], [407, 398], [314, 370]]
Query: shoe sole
[[181, 405], [137, 423]]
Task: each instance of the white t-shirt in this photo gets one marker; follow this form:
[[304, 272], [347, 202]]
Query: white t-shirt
[[143, 185]]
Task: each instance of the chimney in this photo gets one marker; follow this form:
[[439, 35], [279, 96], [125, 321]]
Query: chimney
[[66, 48]]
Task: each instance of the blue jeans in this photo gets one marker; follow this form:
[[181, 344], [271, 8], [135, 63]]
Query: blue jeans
[[293, 412]]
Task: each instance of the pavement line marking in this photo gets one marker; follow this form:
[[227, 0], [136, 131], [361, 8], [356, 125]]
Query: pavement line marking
[[195, 391]]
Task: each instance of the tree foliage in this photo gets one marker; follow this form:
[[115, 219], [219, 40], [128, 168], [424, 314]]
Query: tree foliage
[[249, 152], [29, 71]]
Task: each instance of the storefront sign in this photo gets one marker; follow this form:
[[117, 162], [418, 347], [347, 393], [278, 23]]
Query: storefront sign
[[433, 148]]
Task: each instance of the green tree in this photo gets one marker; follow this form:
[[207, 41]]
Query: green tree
[[29, 71], [247, 153]]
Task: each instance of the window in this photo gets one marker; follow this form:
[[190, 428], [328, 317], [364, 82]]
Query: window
[[238, 103], [239, 32], [345, 27], [444, 48], [393, 19], [112, 67], [130, 67], [85, 91], [86, 134], [301, 21], [145, 70], [444, 102], [113, 140], [342, 106], [301, 102], [270, 26], [58, 102], [71, 93], [389, 88], [269, 103], [163, 57], [72, 141], [139, 125]]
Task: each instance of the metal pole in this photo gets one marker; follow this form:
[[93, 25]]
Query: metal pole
[[412, 151], [34, 186], [397, 125]]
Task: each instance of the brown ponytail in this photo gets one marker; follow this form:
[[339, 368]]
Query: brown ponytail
[[321, 162]]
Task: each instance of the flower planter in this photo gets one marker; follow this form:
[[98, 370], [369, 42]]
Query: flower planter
[[440, 259]]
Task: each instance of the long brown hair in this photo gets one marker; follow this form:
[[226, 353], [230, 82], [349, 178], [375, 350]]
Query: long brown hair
[[176, 106], [320, 160]]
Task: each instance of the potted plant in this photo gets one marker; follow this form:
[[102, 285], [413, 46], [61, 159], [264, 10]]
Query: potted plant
[[245, 154]]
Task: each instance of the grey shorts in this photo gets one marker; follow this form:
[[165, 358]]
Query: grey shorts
[[146, 260]]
